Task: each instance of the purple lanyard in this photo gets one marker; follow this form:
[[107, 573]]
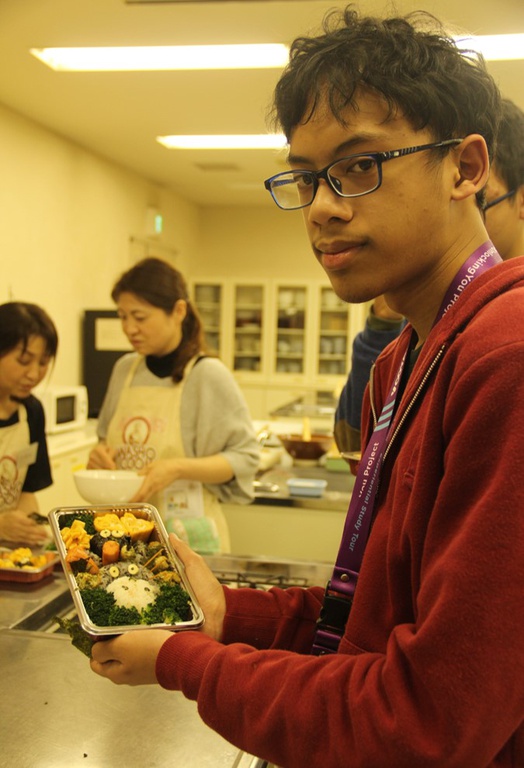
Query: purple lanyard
[[341, 588]]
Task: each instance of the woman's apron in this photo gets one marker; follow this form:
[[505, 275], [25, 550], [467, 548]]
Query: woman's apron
[[146, 427], [17, 453]]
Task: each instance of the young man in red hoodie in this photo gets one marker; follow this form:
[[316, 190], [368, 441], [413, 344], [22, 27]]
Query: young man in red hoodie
[[390, 132]]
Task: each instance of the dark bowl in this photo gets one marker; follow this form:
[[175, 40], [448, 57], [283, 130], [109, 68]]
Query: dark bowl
[[306, 450]]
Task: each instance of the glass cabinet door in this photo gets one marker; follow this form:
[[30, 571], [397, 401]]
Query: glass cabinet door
[[333, 334], [290, 340], [208, 301], [249, 320]]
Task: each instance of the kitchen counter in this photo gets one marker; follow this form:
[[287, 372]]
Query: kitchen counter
[[23, 604], [336, 496], [57, 713], [298, 527]]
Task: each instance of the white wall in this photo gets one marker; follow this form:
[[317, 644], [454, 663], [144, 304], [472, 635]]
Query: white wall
[[73, 221], [255, 242], [67, 217]]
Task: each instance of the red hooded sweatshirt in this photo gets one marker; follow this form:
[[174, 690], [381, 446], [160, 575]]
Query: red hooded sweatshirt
[[430, 671]]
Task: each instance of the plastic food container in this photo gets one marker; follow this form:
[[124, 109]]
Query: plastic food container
[[302, 486], [149, 532]]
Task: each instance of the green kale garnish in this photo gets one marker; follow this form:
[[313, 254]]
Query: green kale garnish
[[98, 604], [171, 606], [67, 520], [121, 617], [79, 637]]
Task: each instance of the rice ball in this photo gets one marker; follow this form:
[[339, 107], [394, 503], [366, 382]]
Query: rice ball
[[133, 593]]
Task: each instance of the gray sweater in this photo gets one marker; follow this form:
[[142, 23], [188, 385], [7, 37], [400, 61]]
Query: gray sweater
[[214, 419]]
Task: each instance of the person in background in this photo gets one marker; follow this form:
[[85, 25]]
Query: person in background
[[504, 208], [28, 344], [174, 413], [504, 212], [383, 325], [413, 655]]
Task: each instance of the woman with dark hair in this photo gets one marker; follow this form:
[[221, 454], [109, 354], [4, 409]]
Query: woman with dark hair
[[28, 344], [174, 413]]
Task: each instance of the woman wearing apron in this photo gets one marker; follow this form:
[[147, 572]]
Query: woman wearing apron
[[28, 343], [173, 413]]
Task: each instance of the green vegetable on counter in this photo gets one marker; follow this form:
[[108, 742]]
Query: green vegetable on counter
[[79, 637]]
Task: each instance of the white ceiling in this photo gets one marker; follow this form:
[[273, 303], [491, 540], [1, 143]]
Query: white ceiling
[[118, 115]]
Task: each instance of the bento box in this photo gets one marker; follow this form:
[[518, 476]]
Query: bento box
[[122, 572], [25, 566]]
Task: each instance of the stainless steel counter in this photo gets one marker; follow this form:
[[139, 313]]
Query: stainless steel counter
[[336, 497], [25, 605], [56, 713]]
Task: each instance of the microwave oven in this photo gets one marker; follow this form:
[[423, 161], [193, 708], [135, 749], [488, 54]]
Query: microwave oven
[[65, 408]]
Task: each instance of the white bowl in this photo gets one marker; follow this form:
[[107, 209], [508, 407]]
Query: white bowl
[[107, 486]]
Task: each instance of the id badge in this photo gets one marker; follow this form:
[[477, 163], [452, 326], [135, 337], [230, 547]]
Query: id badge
[[184, 498]]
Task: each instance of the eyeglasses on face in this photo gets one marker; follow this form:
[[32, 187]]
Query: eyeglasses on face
[[351, 176], [498, 200]]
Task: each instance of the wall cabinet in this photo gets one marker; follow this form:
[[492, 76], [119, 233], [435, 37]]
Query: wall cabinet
[[334, 316], [248, 323], [282, 339], [208, 299], [290, 329]]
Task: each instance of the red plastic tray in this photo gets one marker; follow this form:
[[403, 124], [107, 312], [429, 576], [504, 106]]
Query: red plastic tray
[[28, 575]]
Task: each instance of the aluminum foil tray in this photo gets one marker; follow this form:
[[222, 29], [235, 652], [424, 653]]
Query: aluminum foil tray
[[143, 512]]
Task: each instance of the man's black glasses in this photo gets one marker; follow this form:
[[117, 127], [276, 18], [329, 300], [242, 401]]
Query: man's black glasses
[[351, 176]]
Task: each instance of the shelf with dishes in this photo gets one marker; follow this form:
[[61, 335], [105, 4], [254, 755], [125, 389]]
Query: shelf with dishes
[[270, 328], [249, 313], [208, 299], [290, 351], [248, 343], [332, 347]]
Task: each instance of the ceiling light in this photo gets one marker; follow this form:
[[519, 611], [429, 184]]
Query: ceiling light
[[254, 141], [256, 56], [259, 56], [494, 47]]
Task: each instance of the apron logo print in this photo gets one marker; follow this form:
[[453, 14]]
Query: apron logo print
[[136, 431], [135, 454], [9, 487]]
